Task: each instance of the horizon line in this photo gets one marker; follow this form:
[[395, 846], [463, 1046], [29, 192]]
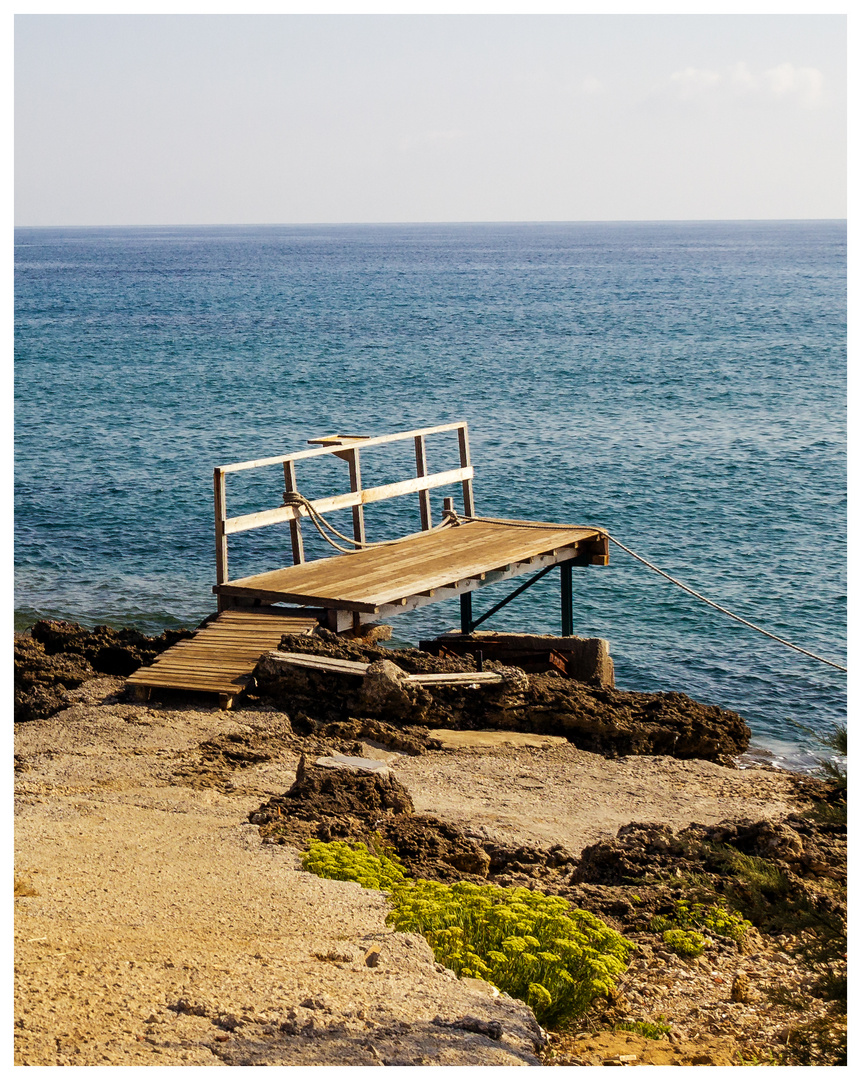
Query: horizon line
[[489, 221]]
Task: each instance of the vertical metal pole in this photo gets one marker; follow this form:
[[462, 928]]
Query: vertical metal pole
[[567, 599], [466, 613]]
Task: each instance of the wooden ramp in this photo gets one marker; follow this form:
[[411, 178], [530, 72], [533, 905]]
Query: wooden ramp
[[219, 658]]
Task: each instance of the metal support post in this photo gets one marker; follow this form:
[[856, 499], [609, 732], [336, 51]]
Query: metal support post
[[567, 599], [466, 613]]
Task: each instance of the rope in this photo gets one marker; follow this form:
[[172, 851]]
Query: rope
[[718, 607], [294, 498], [675, 581]]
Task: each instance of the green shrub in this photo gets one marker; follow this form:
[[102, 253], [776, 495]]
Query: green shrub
[[532, 946], [714, 918], [352, 862], [687, 943]]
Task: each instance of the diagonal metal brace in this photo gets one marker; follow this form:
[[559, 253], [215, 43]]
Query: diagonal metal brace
[[496, 607]]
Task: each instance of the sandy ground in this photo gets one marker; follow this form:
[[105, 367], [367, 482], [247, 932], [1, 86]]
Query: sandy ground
[[162, 932]]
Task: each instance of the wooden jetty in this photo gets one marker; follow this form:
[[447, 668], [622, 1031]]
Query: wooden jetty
[[347, 590], [377, 582]]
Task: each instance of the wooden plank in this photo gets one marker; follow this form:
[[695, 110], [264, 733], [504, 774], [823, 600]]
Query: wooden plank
[[376, 440], [422, 470], [297, 598], [456, 678], [194, 687], [261, 518], [359, 594], [320, 663], [466, 550], [220, 532], [162, 678]]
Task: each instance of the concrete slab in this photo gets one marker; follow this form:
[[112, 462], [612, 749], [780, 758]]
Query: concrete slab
[[453, 740]]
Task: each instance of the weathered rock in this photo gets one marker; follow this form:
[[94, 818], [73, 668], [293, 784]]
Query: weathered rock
[[57, 657], [385, 693], [740, 990], [110, 651], [598, 719], [321, 794], [42, 680]]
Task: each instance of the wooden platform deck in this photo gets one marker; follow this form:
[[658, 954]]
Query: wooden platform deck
[[219, 658], [421, 569]]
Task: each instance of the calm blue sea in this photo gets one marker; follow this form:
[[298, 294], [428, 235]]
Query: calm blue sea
[[680, 384]]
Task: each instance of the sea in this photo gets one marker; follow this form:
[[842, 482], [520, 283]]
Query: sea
[[680, 384]]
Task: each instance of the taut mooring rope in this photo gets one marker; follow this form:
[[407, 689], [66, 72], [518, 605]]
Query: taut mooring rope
[[294, 498], [675, 581], [718, 607]]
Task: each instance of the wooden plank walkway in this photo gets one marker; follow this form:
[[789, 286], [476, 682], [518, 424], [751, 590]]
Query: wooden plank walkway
[[219, 658]]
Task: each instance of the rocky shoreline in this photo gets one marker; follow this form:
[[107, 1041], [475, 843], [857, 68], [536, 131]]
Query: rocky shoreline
[[544, 760]]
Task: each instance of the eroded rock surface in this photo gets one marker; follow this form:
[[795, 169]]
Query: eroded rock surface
[[56, 657], [593, 718]]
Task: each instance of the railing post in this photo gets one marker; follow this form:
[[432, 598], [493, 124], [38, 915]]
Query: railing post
[[220, 534], [422, 470], [352, 457], [463, 442], [295, 528]]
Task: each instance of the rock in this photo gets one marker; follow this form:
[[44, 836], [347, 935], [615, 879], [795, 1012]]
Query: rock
[[386, 693], [598, 719], [492, 1029], [58, 656], [356, 764], [319, 793], [740, 990]]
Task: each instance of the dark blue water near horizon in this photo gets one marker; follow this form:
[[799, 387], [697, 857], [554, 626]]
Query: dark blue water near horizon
[[680, 384]]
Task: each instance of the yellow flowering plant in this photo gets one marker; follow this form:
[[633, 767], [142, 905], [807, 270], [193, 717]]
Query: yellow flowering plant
[[533, 946]]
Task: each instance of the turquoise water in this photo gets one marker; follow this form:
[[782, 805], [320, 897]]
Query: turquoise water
[[680, 384]]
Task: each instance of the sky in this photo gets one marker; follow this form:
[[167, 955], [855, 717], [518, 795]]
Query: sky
[[261, 119]]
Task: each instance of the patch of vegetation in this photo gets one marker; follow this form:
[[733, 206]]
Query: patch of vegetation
[[766, 1058], [831, 769], [820, 1042], [714, 918], [533, 946], [341, 861], [649, 1029], [686, 943]]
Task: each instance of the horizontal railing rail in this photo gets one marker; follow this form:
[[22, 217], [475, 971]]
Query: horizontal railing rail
[[346, 447]]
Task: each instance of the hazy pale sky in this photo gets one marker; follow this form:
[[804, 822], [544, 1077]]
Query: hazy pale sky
[[234, 119]]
